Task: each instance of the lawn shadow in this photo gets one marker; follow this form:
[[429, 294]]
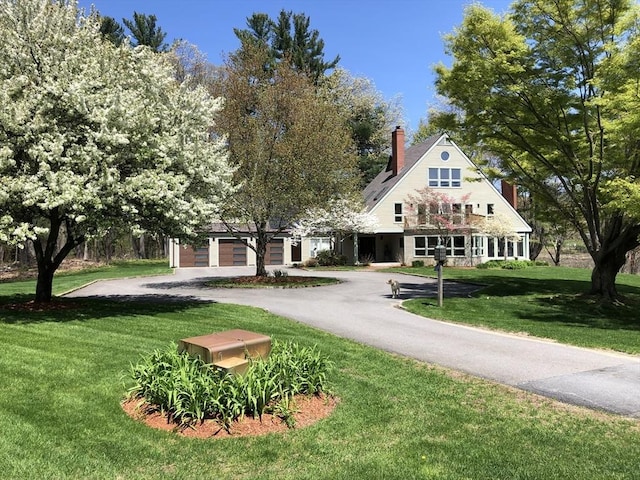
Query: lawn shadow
[[410, 290], [588, 311], [20, 309]]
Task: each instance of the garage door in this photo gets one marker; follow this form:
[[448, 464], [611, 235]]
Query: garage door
[[194, 257], [275, 252], [232, 252]]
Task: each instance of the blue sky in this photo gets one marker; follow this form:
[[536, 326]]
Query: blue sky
[[395, 43]]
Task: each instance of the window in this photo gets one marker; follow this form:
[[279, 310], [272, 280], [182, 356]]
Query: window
[[445, 177], [456, 210], [490, 209], [458, 246], [477, 246], [422, 214], [425, 246], [397, 213], [521, 247], [318, 245], [491, 244]]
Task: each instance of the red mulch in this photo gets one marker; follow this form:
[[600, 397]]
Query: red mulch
[[253, 280], [308, 410], [53, 305]]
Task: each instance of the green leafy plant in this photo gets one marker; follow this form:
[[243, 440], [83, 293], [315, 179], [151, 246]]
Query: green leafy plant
[[280, 273], [329, 258], [189, 390], [417, 263], [510, 264]]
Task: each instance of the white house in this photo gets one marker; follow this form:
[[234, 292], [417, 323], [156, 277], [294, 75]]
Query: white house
[[466, 225], [408, 229]]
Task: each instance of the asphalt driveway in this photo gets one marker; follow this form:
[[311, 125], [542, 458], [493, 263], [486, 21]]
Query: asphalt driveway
[[361, 308]]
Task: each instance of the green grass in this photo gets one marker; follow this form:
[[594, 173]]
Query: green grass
[[545, 302], [64, 281], [62, 381]]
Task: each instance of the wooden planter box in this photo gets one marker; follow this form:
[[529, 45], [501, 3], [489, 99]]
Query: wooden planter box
[[228, 350]]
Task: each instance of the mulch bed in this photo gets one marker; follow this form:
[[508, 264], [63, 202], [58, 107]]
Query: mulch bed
[[308, 409]]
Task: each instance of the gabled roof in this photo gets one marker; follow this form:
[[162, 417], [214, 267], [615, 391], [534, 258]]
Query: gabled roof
[[385, 180]]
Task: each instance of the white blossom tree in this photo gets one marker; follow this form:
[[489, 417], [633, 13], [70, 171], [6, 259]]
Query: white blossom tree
[[340, 218], [96, 137]]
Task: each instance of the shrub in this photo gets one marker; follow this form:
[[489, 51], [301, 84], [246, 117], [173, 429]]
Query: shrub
[[280, 273], [516, 264], [311, 263], [329, 258], [366, 260], [189, 390], [510, 264], [417, 263]]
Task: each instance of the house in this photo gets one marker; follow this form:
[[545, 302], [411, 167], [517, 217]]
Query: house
[[459, 215], [433, 194]]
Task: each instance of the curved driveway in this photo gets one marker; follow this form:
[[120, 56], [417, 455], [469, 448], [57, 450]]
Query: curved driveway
[[361, 308]]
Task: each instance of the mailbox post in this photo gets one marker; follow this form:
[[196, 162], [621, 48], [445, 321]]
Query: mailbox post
[[440, 256]]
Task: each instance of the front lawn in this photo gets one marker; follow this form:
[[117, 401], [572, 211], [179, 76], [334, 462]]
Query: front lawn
[[62, 383], [545, 302]]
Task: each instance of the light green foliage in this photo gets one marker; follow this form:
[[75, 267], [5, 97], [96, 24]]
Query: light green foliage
[[189, 390], [550, 91], [96, 137], [370, 117]]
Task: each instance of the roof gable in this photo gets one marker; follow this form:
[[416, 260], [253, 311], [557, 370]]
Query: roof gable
[[384, 182]]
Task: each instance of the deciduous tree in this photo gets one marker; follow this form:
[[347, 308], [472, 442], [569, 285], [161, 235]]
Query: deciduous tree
[[551, 90], [370, 117], [95, 137], [340, 218], [289, 144]]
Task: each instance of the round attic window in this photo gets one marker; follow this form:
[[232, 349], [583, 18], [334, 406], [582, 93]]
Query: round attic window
[[444, 155]]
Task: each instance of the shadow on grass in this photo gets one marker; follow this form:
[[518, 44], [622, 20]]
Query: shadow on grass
[[20, 309], [499, 286], [409, 290], [587, 311]]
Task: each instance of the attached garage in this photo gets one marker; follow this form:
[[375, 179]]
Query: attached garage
[[275, 252], [194, 257], [231, 252]]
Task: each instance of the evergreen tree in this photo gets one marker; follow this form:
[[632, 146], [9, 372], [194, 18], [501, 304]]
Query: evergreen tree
[[289, 38], [112, 30], [144, 30]]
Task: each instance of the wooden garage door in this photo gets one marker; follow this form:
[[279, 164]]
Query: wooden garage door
[[275, 252], [231, 252], [194, 257]]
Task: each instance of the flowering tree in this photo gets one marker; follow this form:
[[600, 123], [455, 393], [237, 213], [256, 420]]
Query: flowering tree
[[342, 216], [430, 209], [96, 137]]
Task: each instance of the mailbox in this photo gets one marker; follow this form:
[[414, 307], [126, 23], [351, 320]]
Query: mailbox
[[440, 254]]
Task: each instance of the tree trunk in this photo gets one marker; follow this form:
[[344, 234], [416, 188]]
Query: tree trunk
[[261, 253], [603, 277], [610, 259], [44, 285], [143, 246], [50, 254]]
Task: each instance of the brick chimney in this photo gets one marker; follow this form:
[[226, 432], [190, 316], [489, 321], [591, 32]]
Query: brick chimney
[[510, 192], [397, 150]]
